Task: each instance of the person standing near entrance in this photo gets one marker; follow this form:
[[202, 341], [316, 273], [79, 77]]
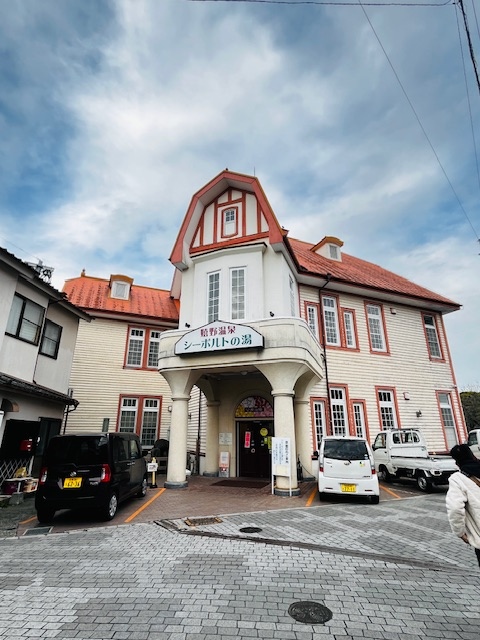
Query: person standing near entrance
[[463, 497]]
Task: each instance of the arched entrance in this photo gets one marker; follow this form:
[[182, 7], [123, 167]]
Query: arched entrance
[[254, 428]]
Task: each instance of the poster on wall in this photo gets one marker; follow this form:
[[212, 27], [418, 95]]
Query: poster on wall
[[225, 438]]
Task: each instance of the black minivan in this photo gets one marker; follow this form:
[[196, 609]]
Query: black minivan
[[90, 471]]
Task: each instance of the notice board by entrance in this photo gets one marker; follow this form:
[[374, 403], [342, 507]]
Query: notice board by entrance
[[281, 460]]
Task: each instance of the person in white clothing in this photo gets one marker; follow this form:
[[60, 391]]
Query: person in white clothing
[[463, 497]]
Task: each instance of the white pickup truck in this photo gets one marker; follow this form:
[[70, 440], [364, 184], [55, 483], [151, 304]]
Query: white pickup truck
[[402, 453], [474, 442]]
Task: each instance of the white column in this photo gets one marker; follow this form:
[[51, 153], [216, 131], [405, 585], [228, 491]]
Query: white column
[[177, 453], [284, 426], [212, 449]]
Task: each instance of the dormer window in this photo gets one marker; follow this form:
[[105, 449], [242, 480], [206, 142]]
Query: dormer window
[[120, 287], [334, 251], [329, 247], [120, 290], [229, 222]]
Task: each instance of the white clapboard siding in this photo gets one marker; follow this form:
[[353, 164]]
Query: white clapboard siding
[[101, 348], [407, 369]]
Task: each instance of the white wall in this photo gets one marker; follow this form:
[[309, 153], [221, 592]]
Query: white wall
[[8, 282], [18, 358], [54, 373]]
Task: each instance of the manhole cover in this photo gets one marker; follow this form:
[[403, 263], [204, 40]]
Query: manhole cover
[[310, 612], [37, 531], [250, 529], [195, 522]]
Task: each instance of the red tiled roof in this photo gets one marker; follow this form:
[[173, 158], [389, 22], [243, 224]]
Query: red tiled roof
[[358, 272], [93, 294]]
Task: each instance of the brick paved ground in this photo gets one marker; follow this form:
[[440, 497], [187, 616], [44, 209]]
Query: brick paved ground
[[391, 571]]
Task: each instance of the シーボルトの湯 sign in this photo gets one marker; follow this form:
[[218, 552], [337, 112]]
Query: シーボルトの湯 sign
[[218, 336]]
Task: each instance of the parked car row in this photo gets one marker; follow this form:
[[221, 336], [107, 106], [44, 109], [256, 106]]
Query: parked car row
[[348, 465], [100, 471]]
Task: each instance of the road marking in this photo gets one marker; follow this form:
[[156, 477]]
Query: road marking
[[392, 493], [311, 497], [145, 505]]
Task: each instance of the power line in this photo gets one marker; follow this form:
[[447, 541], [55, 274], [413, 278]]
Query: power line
[[419, 122], [380, 4], [468, 98], [20, 248], [470, 45], [340, 3], [475, 16]]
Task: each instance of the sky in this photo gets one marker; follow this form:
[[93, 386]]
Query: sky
[[360, 121]]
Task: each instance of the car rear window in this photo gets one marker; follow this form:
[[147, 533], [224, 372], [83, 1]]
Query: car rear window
[[345, 449], [88, 450]]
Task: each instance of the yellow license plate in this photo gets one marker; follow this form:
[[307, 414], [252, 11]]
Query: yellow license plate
[[348, 488], [72, 483]]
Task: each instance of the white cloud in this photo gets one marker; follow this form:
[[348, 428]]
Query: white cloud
[[116, 113]]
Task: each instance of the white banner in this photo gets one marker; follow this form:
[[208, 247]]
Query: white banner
[[281, 457]]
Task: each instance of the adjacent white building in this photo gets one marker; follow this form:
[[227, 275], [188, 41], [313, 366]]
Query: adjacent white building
[[38, 331]]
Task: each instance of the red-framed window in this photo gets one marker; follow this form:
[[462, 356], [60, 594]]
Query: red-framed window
[[447, 417], [349, 330], [387, 405], [319, 420], [142, 348], [229, 226], [140, 415], [331, 326], [377, 331], [312, 311], [339, 329], [359, 419], [339, 413], [432, 339]]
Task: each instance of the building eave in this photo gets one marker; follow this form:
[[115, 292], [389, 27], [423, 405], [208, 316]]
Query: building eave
[[10, 383]]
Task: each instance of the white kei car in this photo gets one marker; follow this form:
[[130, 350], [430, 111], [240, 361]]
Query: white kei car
[[346, 467]]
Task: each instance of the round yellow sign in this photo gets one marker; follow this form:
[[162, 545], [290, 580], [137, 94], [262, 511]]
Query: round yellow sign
[[263, 431]]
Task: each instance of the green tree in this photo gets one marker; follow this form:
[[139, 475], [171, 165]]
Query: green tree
[[471, 408]]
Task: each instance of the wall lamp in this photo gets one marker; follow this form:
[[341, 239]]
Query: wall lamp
[[169, 409], [419, 414]]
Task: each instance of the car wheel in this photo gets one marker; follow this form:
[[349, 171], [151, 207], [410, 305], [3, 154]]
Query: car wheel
[[423, 483], [142, 492], [384, 474], [374, 499], [45, 514], [111, 506]]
